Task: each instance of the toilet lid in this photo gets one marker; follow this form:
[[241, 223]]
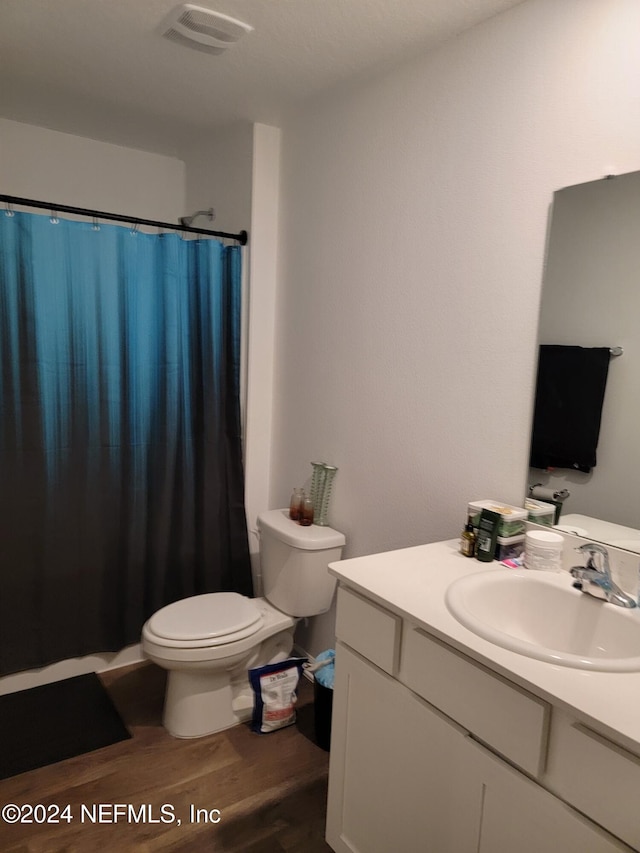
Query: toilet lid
[[207, 617]]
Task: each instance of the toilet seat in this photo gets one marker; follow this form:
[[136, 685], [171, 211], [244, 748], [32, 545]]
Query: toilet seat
[[211, 619]]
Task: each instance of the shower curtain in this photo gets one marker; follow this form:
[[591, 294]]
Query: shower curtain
[[121, 481]]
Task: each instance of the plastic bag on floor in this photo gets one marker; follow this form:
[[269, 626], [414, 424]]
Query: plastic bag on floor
[[275, 693], [324, 669]]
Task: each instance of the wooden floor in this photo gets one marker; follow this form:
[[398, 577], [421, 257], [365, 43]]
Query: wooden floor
[[270, 790]]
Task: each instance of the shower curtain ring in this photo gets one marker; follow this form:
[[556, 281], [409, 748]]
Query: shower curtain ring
[[95, 226], [9, 210], [53, 219], [134, 229]]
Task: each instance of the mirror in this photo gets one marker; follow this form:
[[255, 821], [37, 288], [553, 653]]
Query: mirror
[[591, 298]]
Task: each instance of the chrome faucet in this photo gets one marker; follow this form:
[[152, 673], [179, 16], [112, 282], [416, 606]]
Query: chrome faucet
[[596, 580]]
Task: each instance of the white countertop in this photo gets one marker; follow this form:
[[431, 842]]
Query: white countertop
[[412, 582]]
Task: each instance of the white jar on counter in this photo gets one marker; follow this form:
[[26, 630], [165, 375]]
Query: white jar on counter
[[543, 550]]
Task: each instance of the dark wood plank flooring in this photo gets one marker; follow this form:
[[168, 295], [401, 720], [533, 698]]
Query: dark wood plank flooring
[[270, 790]]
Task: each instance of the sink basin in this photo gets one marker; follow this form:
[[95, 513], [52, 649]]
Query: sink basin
[[541, 615]]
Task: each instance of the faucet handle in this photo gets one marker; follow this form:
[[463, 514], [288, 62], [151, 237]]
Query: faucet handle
[[598, 582], [593, 548]]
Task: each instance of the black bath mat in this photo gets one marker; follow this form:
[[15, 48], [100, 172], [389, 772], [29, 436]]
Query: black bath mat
[[55, 721]]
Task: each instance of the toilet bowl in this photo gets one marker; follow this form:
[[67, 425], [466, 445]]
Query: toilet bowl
[[207, 643], [206, 674]]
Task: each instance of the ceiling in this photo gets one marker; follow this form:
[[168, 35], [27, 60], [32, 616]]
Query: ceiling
[[99, 68]]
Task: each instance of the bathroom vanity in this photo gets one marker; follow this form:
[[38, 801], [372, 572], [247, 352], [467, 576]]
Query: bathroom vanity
[[443, 741]]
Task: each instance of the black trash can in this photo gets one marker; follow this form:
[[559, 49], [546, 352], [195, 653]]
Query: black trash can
[[323, 707], [323, 698]]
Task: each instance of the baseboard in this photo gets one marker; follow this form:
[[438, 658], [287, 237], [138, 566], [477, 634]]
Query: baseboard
[[68, 668], [95, 663]]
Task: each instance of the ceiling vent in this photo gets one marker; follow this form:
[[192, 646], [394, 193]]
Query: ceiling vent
[[202, 29]]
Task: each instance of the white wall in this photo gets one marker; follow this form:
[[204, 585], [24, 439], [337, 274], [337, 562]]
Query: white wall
[[47, 165], [218, 175], [412, 244], [261, 329]]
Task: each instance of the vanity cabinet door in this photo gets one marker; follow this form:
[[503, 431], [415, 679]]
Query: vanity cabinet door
[[595, 775], [397, 780], [519, 815]]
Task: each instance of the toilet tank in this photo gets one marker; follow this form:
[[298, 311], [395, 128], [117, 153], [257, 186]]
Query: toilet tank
[[294, 562]]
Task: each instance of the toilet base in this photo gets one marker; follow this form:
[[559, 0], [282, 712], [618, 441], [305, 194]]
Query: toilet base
[[203, 698], [198, 703]]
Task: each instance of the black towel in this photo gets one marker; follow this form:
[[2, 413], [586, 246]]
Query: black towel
[[568, 408]]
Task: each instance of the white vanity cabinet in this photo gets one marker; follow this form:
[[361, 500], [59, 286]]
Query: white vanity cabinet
[[433, 753], [519, 815], [395, 764]]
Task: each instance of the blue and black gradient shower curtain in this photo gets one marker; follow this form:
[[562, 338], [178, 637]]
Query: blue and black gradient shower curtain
[[121, 481]]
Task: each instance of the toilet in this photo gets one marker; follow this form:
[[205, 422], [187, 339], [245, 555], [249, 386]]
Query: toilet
[[208, 642]]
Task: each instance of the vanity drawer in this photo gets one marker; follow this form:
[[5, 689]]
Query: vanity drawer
[[369, 629], [596, 776], [498, 713]]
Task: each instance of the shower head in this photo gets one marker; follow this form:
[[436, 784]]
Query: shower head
[[188, 220]]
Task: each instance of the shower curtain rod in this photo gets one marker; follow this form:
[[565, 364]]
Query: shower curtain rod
[[241, 237]]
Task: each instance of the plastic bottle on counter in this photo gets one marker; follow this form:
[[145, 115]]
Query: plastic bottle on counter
[[487, 535]]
